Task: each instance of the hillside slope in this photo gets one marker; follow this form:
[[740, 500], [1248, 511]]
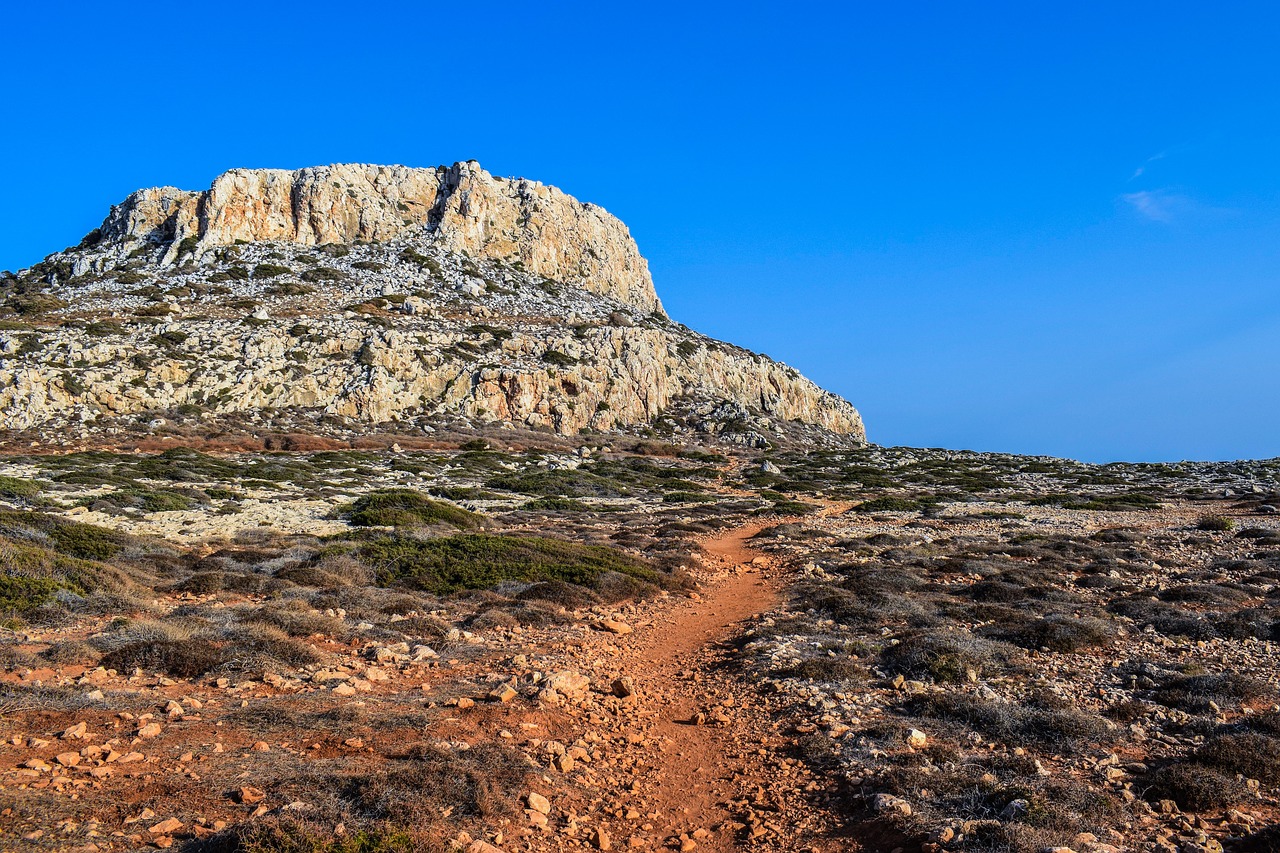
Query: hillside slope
[[349, 295]]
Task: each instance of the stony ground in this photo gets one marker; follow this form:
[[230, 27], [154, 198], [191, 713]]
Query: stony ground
[[365, 650]]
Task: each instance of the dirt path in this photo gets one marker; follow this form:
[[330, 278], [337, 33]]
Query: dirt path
[[695, 775], [717, 776], [712, 781]]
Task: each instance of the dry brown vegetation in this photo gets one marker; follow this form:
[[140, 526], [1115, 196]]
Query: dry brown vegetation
[[350, 651]]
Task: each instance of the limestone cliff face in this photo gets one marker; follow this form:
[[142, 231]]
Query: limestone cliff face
[[460, 209], [371, 295], [612, 377]]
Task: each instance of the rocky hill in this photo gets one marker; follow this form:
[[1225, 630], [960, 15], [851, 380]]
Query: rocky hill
[[334, 297]]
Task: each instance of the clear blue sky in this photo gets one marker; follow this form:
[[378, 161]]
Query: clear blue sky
[[1036, 227]]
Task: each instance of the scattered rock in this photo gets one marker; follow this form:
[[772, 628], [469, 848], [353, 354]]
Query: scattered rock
[[166, 827], [538, 803], [889, 804], [248, 795], [503, 693]]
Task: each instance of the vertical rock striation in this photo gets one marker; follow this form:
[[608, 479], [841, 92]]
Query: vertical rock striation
[[461, 208]]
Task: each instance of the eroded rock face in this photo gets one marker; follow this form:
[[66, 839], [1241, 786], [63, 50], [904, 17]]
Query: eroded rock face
[[374, 295], [461, 208]]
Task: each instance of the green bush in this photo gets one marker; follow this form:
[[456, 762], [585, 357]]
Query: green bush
[[20, 594], [14, 488], [687, 497], [888, 504], [230, 274], [72, 538], [290, 288], [265, 270], [1218, 523], [481, 561], [405, 507], [1125, 501], [171, 338], [429, 264], [554, 504], [321, 274], [577, 483], [281, 836], [29, 304], [558, 358]]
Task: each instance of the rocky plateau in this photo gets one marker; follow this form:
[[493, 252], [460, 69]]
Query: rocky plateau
[[352, 295]]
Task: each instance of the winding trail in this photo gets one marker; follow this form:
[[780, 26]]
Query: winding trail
[[717, 777], [694, 776]]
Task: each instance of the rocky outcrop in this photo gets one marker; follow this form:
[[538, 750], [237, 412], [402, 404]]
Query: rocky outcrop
[[609, 378], [461, 208], [370, 295]]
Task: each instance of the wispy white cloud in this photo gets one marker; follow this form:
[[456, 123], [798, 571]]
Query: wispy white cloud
[[1156, 205], [1141, 170], [1165, 205]]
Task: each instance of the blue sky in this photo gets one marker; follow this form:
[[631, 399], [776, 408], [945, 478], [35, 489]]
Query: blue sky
[[1043, 228]]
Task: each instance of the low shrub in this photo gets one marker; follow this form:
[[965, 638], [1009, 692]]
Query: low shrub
[[827, 669], [296, 621], [567, 595], [614, 586], [1058, 633], [72, 538], [19, 595], [481, 561], [1167, 619], [247, 644], [1208, 594], [1194, 787], [889, 504], [1016, 723], [15, 488], [268, 270], [321, 274], [1252, 755], [553, 504], [1194, 693], [32, 304], [186, 658], [288, 834], [429, 628], [404, 508], [943, 657], [563, 484], [558, 359]]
